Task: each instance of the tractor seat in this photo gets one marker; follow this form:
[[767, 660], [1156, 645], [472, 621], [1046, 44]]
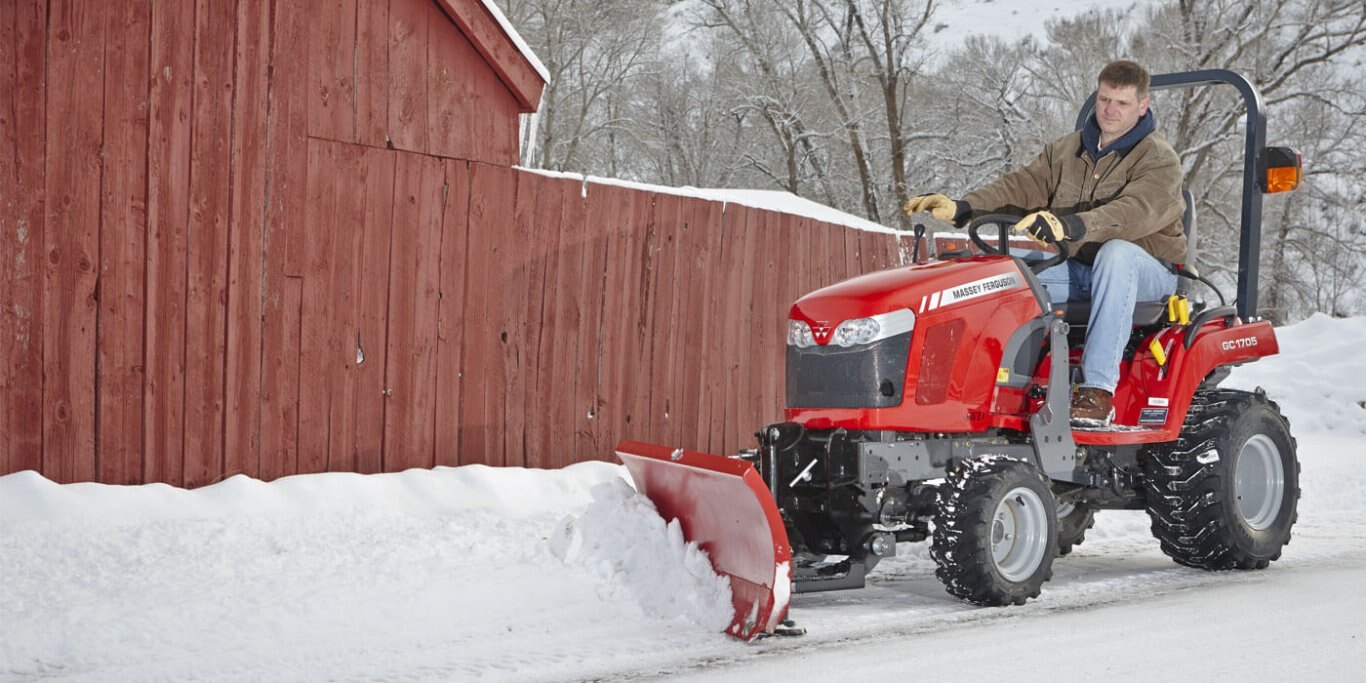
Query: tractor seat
[[1077, 313]]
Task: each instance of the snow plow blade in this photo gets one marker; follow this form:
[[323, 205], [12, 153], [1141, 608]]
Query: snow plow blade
[[722, 505]]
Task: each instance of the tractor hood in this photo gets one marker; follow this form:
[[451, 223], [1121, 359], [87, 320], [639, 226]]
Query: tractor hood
[[916, 348], [921, 289]]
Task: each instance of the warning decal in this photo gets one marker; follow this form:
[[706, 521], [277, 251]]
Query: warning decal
[[1152, 416]]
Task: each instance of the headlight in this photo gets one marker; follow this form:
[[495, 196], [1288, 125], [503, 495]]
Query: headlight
[[876, 328], [799, 334], [858, 331]]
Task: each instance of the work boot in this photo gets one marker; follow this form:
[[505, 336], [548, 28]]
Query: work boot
[[1092, 407]]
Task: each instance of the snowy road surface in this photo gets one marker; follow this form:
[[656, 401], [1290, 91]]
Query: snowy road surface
[[523, 575], [1116, 608]]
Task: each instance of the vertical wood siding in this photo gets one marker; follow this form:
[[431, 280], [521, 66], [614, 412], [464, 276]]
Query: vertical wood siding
[[23, 96], [170, 97], [123, 244], [246, 224], [270, 237], [74, 165]]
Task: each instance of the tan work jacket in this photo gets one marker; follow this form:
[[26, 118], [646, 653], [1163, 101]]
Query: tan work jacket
[[1134, 197]]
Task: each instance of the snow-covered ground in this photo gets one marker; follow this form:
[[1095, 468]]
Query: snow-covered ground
[[477, 573]]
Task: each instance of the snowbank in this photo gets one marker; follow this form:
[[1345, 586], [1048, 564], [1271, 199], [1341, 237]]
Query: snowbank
[[28, 498], [462, 573], [1318, 377], [622, 540]]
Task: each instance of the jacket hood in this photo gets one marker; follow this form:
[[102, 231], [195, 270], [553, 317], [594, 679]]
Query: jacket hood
[[1090, 136]]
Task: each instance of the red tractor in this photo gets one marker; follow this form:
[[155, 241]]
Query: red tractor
[[930, 402]]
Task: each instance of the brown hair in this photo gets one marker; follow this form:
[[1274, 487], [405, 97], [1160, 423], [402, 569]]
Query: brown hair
[[1123, 72]]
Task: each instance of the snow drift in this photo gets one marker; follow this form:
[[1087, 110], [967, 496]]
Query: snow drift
[[456, 573]]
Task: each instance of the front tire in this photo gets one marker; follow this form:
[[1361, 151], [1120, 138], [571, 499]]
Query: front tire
[[995, 532], [1225, 494]]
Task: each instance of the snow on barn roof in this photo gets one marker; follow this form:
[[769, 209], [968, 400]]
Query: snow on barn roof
[[771, 200], [489, 30], [516, 38]]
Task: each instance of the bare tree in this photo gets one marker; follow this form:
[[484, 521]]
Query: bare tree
[[768, 82], [687, 126], [989, 117], [1316, 247], [593, 50], [887, 31], [1288, 49], [843, 101]]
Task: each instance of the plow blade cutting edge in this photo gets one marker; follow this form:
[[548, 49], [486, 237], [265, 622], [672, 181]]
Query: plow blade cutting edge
[[722, 505]]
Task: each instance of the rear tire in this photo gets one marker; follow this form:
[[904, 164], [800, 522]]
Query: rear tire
[[1073, 521], [1225, 494], [995, 533]]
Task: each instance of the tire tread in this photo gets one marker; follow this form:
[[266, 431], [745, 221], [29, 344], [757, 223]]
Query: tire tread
[[1185, 489], [963, 528]]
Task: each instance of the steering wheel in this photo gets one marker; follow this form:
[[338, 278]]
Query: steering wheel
[[1004, 222]]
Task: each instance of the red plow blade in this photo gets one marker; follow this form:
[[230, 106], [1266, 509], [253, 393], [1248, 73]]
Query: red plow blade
[[722, 505]]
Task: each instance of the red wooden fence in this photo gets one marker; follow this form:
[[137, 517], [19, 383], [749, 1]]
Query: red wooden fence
[[207, 269]]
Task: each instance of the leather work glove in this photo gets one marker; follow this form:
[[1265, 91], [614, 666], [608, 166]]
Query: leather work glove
[[1046, 228], [939, 206]]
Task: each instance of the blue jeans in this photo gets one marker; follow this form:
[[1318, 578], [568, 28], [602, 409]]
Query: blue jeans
[[1123, 274]]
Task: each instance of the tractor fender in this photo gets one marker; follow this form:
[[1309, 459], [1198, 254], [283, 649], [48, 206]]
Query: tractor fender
[[1156, 396]]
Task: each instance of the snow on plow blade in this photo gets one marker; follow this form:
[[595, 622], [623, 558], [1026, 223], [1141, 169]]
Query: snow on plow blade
[[722, 505]]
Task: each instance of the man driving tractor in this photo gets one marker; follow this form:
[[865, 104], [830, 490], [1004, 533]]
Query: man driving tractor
[[1113, 192]]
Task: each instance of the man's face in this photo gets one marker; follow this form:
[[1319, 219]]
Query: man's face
[[1118, 108]]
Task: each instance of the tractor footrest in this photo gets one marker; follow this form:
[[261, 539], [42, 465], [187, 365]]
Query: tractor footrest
[[1078, 426], [816, 573]]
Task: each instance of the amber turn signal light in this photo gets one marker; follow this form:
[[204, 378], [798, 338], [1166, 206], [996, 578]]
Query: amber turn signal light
[[1280, 170]]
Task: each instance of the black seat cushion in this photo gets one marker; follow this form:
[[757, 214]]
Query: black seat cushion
[[1076, 313]]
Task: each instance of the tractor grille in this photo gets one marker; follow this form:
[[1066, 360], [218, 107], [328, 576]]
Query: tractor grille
[[868, 376]]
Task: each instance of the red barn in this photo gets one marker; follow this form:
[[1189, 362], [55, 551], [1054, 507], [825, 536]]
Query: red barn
[[276, 236]]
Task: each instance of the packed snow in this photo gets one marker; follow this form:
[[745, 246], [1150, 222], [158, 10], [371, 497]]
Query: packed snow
[[770, 200], [478, 573]]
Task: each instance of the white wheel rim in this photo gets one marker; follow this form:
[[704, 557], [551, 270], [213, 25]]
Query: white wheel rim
[[1259, 482], [1019, 534]]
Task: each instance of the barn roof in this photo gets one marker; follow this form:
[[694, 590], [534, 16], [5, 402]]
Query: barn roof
[[498, 42]]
